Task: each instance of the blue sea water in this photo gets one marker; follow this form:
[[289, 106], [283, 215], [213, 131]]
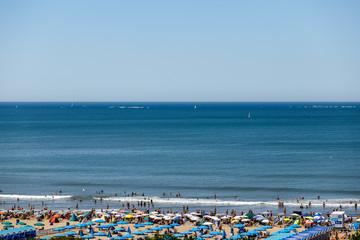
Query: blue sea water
[[285, 149]]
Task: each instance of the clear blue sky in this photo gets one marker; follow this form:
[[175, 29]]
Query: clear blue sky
[[180, 50]]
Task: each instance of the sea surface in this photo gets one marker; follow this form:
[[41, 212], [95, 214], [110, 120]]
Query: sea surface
[[256, 151]]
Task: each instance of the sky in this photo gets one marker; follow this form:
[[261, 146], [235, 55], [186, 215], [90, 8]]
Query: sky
[[232, 51]]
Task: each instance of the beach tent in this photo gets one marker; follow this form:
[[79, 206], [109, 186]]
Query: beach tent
[[73, 218], [250, 215], [54, 220]]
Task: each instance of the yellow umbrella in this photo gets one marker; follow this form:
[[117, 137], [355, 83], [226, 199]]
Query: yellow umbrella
[[287, 219], [235, 221], [309, 217], [128, 216]]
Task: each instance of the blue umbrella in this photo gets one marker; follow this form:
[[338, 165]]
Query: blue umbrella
[[239, 226], [166, 226], [252, 232], [69, 227], [156, 228], [99, 221], [102, 226], [70, 233], [199, 238], [109, 234], [81, 233], [112, 224], [203, 227], [174, 224], [59, 235], [129, 231], [178, 235], [45, 238], [122, 222], [186, 232], [148, 231], [148, 223], [194, 230], [139, 225], [236, 237], [215, 233], [207, 236], [91, 231], [117, 238], [90, 224], [80, 225], [128, 236], [118, 229], [99, 234], [59, 229], [87, 236], [138, 233], [224, 233], [176, 218]]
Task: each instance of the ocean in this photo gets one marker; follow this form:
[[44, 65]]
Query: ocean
[[256, 151]]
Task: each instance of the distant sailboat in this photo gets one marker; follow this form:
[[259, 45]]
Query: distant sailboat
[[249, 116], [72, 104], [195, 107]]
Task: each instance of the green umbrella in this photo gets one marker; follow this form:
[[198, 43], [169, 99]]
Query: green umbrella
[[8, 226], [39, 224], [6, 222], [250, 215], [20, 223]]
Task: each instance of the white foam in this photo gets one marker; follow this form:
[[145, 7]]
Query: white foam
[[34, 197], [219, 202]]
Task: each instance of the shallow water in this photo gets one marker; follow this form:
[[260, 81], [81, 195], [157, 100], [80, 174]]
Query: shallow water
[[285, 149]]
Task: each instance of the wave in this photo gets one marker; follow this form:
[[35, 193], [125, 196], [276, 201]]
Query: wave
[[35, 197], [219, 202]]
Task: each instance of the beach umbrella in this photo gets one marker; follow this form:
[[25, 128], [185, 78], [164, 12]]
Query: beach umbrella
[[122, 222], [69, 227], [253, 232], [90, 224], [81, 233], [108, 234], [194, 230], [203, 227], [87, 236], [6, 223], [59, 235], [117, 238], [99, 221], [148, 231], [138, 233], [239, 226], [128, 230], [8, 226], [128, 236], [156, 228], [112, 224], [99, 234], [120, 229], [236, 237], [20, 223], [186, 232], [129, 216], [91, 231], [224, 233], [80, 225], [215, 233], [165, 226], [138, 225], [207, 223], [268, 227], [178, 235], [148, 223], [59, 229], [39, 224], [174, 224], [45, 238], [287, 219], [309, 217], [70, 233], [207, 236], [199, 238], [250, 215]]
